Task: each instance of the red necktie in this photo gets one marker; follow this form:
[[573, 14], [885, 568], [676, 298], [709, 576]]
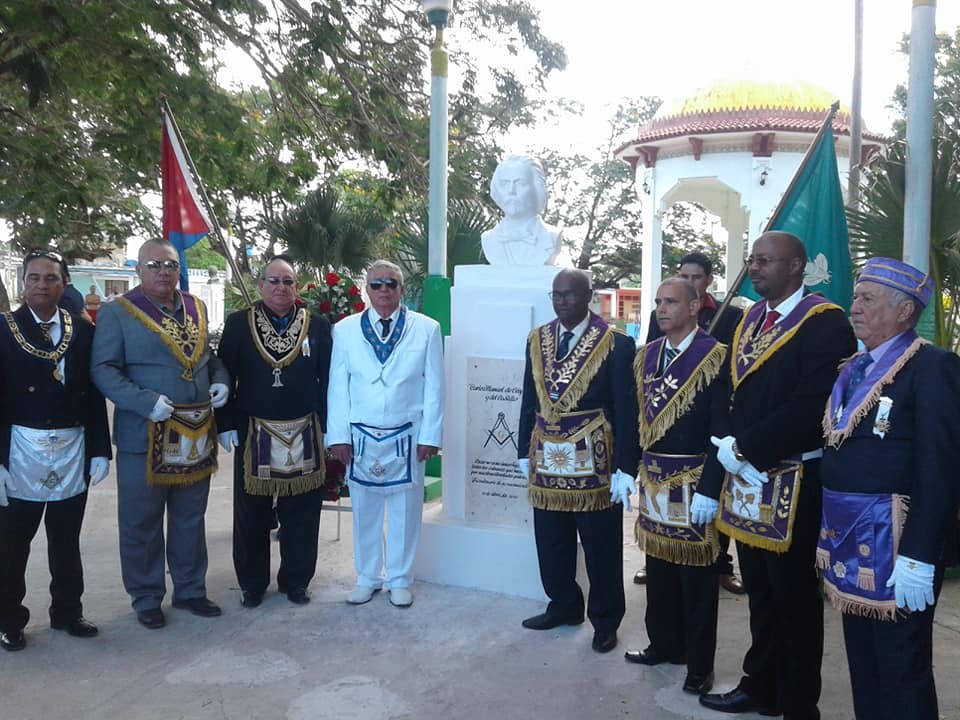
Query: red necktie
[[769, 321]]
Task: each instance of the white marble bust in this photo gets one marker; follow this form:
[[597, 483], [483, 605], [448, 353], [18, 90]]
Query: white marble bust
[[521, 237]]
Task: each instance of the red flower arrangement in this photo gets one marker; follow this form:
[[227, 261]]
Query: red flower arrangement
[[336, 298]]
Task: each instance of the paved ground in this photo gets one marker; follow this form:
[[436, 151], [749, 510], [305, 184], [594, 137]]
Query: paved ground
[[455, 654]]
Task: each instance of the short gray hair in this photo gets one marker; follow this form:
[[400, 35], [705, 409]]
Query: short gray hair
[[393, 267], [692, 293], [897, 297]]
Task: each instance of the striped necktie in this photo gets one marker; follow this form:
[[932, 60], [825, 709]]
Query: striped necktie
[[668, 355], [564, 347], [45, 331]]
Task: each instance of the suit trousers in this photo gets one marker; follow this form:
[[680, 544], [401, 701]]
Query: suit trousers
[[143, 549], [19, 522], [601, 533], [252, 521], [681, 617], [384, 558], [891, 664]]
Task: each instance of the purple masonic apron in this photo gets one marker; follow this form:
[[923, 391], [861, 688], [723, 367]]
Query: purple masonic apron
[[667, 483], [570, 449]]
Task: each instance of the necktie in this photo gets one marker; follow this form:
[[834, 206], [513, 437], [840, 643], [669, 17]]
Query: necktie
[[45, 331], [564, 347], [769, 321], [856, 377], [668, 355], [385, 333]]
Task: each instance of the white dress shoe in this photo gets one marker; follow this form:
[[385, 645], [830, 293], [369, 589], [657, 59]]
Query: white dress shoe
[[361, 594], [401, 597]]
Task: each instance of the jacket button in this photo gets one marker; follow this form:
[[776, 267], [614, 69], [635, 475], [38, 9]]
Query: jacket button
[[30, 389]]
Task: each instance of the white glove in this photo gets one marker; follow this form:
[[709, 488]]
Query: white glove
[[4, 476], [622, 487], [912, 582], [703, 509], [524, 465], [162, 410], [99, 467], [219, 394], [726, 455], [229, 439], [752, 476]]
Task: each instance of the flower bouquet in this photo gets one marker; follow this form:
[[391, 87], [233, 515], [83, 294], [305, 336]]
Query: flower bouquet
[[335, 298]]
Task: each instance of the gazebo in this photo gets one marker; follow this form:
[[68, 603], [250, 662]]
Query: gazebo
[[732, 148]]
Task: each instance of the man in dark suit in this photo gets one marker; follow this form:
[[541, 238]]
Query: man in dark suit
[[889, 493], [697, 269], [54, 442], [578, 447], [783, 362]]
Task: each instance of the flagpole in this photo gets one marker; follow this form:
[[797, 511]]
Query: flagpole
[[827, 123], [206, 202]]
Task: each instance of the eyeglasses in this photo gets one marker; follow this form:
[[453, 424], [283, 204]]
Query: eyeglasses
[[763, 260], [564, 295], [155, 266], [389, 282], [280, 281]]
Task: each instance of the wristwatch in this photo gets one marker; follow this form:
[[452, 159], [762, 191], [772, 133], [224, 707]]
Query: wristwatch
[[736, 452]]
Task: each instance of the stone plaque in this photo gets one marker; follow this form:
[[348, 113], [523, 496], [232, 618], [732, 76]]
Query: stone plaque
[[496, 491]]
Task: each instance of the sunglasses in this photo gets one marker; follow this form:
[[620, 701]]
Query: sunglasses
[[377, 283], [155, 266], [280, 281], [48, 254]]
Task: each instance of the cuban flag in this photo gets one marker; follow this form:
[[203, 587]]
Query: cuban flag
[[185, 221]]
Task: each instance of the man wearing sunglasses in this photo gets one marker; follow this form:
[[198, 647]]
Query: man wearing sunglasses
[[385, 418], [55, 443], [278, 357], [151, 357]]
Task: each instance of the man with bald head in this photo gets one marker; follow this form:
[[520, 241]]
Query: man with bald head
[[783, 362], [278, 355], [889, 493], [578, 449]]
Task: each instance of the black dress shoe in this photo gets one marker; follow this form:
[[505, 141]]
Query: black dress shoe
[[651, 656], [737, 701], [199, 606], [13, 640], [78, 627], [545, 621], [640, 578], [251, 598], [152, 619], [604, 642], [698, 684], [732, 584], [298, 596]]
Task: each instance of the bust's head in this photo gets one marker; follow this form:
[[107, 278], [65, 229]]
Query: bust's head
[[519, 187]]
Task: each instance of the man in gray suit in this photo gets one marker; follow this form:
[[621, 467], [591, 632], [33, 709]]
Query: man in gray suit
[[151, 357]]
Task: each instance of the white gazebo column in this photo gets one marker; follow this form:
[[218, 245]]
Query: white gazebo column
[[652, 250], [735, 223]]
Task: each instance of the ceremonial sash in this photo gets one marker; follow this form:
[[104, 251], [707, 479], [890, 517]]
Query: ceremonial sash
[[762, 516], [839, 422], [562, 383], [186, 340], [182, 449], [570, 462], [665, 397], [663, 528], [383, 457], [383, 348], [283, 457], [752, 350], [857, 550], [277, 349]]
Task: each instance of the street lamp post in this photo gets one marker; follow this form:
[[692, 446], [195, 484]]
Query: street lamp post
[[436, 287]]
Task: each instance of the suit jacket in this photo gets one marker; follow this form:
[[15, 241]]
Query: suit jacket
[[777, 411], [30, 396], [252, 390], [412, 381], [132, 367], [613, 388], [723, 331], [919, 455]]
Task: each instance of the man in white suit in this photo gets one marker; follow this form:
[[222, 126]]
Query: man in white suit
[[385, 417]]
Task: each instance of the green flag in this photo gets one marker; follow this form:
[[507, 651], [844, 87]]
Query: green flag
[[813, 211]]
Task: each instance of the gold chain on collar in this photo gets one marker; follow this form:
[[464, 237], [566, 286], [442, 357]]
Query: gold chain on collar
[[58, 352]]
